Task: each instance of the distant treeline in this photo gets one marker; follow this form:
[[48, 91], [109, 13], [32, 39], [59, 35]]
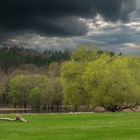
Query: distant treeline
[[83, 80], [12, 57]]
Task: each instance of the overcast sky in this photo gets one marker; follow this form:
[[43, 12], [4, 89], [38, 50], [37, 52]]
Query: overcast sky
[[65, 24]]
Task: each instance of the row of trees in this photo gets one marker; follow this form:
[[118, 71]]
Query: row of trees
[[13, 57], [35, 91], [90, 79], [32, 86]]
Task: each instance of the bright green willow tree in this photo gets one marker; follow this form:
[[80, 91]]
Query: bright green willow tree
[[101, 80]]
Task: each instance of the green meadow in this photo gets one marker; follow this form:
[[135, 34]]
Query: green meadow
[[102, 126]]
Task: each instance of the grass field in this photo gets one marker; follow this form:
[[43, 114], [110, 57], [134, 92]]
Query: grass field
[[108, 126]]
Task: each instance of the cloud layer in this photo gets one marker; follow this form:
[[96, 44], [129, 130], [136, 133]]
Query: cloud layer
[[58, 17]]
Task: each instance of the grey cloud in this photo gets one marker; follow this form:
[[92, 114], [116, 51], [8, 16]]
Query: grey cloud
[[58, 17], [123, 38]]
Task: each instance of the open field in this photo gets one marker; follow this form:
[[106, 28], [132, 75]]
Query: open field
[[107, 126]]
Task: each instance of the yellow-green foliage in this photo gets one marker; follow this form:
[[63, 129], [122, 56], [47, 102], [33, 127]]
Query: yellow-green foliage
[[35, 90], [101, 80]]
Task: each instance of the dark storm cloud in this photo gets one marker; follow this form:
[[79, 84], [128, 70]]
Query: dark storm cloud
[[58, 17]]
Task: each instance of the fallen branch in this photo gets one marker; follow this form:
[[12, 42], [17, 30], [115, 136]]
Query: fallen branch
[[7, 119], [18, 118]]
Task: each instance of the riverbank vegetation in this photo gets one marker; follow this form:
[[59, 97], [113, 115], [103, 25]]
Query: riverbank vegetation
[[83, 78]]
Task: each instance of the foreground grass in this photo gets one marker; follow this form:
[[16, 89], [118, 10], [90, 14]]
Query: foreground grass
[[108, 126]]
